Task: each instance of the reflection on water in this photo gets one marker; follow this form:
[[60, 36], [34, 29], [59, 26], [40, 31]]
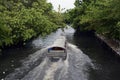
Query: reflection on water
[[106, 64], [86, 60], [74, 67], [13, 57]]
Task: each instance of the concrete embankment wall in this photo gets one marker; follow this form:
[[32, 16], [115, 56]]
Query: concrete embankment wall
[[111, 44]]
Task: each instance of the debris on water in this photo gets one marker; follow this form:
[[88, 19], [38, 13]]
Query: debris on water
[[12, 65], [2, 79], [12, 61], [24, 43], [4, 72]]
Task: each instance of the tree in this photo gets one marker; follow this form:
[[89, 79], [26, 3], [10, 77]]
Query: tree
[[22, 20], [103, 16]]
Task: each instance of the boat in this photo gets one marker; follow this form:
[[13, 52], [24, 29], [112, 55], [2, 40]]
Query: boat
[[58, 49]]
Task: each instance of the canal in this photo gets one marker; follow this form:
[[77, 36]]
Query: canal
[[86, 60]]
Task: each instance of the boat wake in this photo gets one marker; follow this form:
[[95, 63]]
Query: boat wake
[[39, 67]]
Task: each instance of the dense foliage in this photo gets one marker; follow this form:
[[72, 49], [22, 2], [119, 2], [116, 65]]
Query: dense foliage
[[103, 16], [20, 20]]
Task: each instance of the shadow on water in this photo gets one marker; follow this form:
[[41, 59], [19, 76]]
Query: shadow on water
[[12, 57], [86, 60], [107, 64], [38, 67]]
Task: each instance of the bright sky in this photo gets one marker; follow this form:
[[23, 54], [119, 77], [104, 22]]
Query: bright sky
[[67, 4]]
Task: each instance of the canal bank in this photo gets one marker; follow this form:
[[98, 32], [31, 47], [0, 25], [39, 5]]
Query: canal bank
[[111, 44]]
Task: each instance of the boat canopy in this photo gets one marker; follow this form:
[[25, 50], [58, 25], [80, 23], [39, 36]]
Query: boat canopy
[[59, 44]]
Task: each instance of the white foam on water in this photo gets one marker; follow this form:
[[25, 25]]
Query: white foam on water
[[77, 65], [73, 68], [36, 72], [26, 65], [51, 71], [64, 69]]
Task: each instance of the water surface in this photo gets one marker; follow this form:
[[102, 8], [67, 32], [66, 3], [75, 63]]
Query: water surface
[[86, 60]]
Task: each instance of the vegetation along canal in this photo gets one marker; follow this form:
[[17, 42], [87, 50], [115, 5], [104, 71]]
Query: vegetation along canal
[[86, 60]]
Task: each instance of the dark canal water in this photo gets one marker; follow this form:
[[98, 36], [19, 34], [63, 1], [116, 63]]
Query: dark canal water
[[86, 60]]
